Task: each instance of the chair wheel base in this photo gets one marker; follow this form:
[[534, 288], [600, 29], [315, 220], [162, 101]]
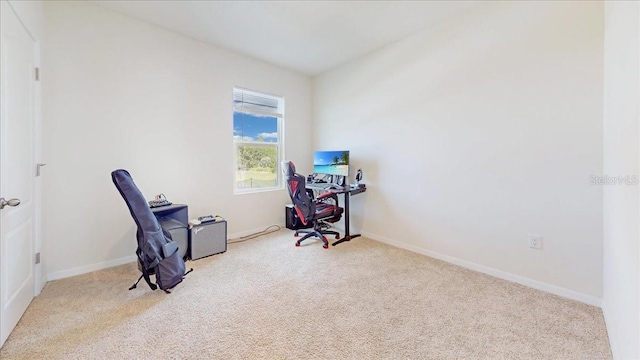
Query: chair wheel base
[[318, 231]]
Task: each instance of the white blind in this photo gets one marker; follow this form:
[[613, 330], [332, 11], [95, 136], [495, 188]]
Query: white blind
[[244, 100]]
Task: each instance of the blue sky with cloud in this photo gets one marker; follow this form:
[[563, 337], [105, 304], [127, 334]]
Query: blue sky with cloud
[[249, 127]]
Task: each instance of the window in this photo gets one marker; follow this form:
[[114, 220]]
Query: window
[[257, 137]]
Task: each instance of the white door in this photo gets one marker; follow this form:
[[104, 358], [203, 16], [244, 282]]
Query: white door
[[17, 170]]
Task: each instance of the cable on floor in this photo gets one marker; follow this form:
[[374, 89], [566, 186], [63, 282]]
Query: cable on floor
[[256, 234]]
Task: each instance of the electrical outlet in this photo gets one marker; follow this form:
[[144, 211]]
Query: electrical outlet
[[535, 241]]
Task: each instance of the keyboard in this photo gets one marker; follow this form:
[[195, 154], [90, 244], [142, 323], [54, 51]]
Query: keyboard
[[324, 186], [158, 203]]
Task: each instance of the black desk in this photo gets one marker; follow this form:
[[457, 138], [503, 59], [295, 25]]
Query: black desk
[[347, 192]]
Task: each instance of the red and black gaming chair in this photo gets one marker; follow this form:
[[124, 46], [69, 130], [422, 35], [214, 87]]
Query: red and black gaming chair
[[317, 211]]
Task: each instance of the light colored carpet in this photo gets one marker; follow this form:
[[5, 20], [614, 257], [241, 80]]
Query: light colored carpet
[[266, 299]]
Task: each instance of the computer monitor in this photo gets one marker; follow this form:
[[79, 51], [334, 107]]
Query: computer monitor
[[331, 162]]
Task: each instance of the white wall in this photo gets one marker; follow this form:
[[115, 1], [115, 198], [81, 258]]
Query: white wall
[[120, 93], [621, 272], [477, 132], [31, 15]]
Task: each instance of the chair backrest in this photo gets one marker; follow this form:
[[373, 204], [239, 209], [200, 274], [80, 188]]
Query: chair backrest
[[302, 202]]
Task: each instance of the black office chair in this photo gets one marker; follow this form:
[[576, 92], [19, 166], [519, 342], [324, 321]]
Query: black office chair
[[319, 211]]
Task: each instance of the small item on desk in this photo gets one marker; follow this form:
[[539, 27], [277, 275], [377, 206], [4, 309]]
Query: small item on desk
[[207, 218], [194, 222], [359, 176], [160, 200]]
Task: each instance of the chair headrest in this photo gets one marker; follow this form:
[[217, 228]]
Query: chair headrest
[[288, 168]]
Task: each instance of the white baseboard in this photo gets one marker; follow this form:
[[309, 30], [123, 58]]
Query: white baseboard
[[125, 260], [556, 290], [89, 268]]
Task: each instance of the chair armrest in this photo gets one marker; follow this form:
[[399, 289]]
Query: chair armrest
[[325, 196]]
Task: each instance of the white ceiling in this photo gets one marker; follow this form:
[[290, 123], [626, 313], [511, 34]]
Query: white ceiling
[[306, 36]]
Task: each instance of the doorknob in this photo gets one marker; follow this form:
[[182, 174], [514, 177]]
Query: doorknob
[[11, 202]]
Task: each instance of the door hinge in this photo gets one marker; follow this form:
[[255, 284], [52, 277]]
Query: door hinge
[[37, 74], [38, 166], [37, 258]]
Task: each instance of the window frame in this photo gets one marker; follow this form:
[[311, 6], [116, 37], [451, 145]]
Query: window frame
[[278, 144]]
